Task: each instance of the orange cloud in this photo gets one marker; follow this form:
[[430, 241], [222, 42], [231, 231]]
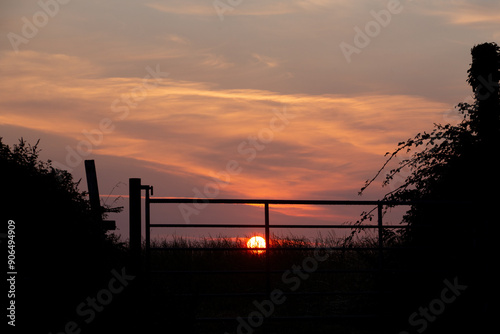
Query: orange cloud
[[193, 129], [463, 12]]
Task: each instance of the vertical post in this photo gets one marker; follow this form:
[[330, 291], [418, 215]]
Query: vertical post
[[147, 227], [93, 189], [135, 221], [147, 218], [268, 280], [95, 202], [266, 213]]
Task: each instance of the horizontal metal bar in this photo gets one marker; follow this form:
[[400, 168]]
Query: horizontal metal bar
[[276, 201], [272, 226], [208, 225], [335, 226]]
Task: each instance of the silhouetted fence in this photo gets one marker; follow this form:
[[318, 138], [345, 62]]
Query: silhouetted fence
[[267, 226]]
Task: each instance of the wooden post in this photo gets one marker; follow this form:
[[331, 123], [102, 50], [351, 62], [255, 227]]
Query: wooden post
[[147, 229], [268, 265], [266, 221], [91, 173], [147, 214], [95, 201], [135, 221]]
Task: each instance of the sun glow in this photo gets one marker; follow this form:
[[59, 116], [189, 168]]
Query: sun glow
[[256, 242]]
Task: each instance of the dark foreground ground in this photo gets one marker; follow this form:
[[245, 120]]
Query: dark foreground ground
[[351, 291]]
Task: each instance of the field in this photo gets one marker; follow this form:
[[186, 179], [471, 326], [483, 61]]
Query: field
[[323, 289]]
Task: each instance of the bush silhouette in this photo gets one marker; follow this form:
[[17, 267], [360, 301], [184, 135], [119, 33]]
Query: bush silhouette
[[62, 253], [455, 166]]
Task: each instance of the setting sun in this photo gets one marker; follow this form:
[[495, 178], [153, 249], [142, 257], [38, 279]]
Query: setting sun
[[256, 242]]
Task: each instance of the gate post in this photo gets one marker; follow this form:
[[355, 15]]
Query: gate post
[[135, 222], [268, 266]]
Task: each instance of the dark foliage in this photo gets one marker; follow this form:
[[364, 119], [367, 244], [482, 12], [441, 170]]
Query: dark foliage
[[62, 253], [453, 176], [453, 163]]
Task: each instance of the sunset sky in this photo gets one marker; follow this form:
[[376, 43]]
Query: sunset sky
[[281, 99]]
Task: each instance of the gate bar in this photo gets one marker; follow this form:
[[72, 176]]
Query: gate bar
[[284, 202], [268, 265], [275, 226]]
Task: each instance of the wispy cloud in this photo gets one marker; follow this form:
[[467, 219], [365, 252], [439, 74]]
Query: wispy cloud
[[216, 61], [248, 8], [268, 61], [461, 12], [183, 7], [333, 141], [228, 77], [178, 39]]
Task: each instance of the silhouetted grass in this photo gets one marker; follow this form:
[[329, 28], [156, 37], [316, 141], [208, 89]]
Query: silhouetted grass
[[181, 291], [192, 272]]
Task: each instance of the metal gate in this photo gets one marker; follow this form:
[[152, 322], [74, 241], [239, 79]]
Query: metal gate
[[268, 271]]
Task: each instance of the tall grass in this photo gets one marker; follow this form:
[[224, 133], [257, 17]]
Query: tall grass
[[191, 293]]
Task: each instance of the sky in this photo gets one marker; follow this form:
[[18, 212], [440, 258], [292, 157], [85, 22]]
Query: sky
[[279, 99]]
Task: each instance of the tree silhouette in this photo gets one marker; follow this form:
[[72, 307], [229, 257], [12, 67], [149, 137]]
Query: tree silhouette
[[62, 252], [454, 166], [454, 162]]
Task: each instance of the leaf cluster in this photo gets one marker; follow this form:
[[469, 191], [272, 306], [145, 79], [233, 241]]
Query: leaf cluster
[[56, 233], [434, 154]]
